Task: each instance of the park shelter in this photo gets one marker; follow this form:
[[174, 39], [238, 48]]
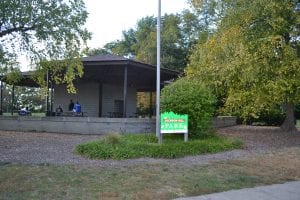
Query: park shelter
[[108, 87], [110, 84], [107, 93]]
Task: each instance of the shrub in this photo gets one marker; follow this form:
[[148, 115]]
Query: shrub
[[189, 96], [265, 117]]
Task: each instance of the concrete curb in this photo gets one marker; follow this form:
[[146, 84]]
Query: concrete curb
[[286, 191]]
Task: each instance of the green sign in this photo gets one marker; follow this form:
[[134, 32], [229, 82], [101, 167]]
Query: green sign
[[173, 123]]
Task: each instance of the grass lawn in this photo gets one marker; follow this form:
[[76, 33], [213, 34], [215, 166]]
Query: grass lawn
[[146, 181], [115, 146], [298, 123]]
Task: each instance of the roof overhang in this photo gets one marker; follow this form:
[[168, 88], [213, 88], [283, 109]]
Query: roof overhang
[[110, 69]]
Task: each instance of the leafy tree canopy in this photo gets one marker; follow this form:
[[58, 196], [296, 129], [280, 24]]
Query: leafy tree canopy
[[179, 34], [253, 58], [43, 30]]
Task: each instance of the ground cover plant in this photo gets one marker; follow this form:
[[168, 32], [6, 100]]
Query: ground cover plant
[[146, 181], [114, 146]]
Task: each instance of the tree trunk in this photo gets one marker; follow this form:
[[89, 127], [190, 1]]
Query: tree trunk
[[289, 123]]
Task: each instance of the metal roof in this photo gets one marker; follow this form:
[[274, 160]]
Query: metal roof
[[104, 67], [102, 58], [114, 59]]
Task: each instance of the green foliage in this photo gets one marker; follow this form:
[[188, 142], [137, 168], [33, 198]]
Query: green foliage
[[211, 12], [13, 76], [189, 96], [137, 146], [265, 117], [178, 34], [44, 30], [253, 58], [59, 72], [23, 97], [97, 51]]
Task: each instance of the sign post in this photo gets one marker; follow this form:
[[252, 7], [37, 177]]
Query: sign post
[[174, 123]]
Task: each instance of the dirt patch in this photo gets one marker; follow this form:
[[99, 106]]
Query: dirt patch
[[57, 149], [258, 138]]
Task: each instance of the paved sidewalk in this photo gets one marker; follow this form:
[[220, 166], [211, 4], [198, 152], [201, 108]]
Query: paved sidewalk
[[286, 191]]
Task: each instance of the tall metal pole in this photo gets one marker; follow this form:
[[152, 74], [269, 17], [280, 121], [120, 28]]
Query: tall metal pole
[[158, 134]]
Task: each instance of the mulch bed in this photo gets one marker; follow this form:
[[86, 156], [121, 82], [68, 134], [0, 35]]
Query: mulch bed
[[258, 138], [57, 149]]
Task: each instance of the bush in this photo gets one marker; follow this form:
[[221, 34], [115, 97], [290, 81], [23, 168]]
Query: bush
[[267, 117], [189, 96]]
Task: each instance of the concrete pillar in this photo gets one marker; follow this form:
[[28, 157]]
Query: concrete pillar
[[12, 99], [125, 92], [150, 105], [47, 94], [1, 98], [51, 97], [100, 99]]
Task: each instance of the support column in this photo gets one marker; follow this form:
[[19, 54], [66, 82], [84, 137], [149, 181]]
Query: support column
[[47, 94], [51, 97], [100, 99], [12, 99], [125, 92], [150, 106], [1, 98]]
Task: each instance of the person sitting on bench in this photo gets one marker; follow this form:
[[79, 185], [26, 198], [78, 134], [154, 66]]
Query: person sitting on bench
[[77, 108], [71, 105], [59, 111], [24, 111]]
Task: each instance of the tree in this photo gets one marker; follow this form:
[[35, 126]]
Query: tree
[[23, 97], [179, 34], [253, 58], [97, 51], [210, 12], [43, 30]]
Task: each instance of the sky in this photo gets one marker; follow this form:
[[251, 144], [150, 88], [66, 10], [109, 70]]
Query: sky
[[108, 18]]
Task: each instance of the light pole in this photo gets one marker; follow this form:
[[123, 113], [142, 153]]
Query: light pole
[[158, 134]]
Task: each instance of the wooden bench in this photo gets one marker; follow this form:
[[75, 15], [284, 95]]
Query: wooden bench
[[73, 114]]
